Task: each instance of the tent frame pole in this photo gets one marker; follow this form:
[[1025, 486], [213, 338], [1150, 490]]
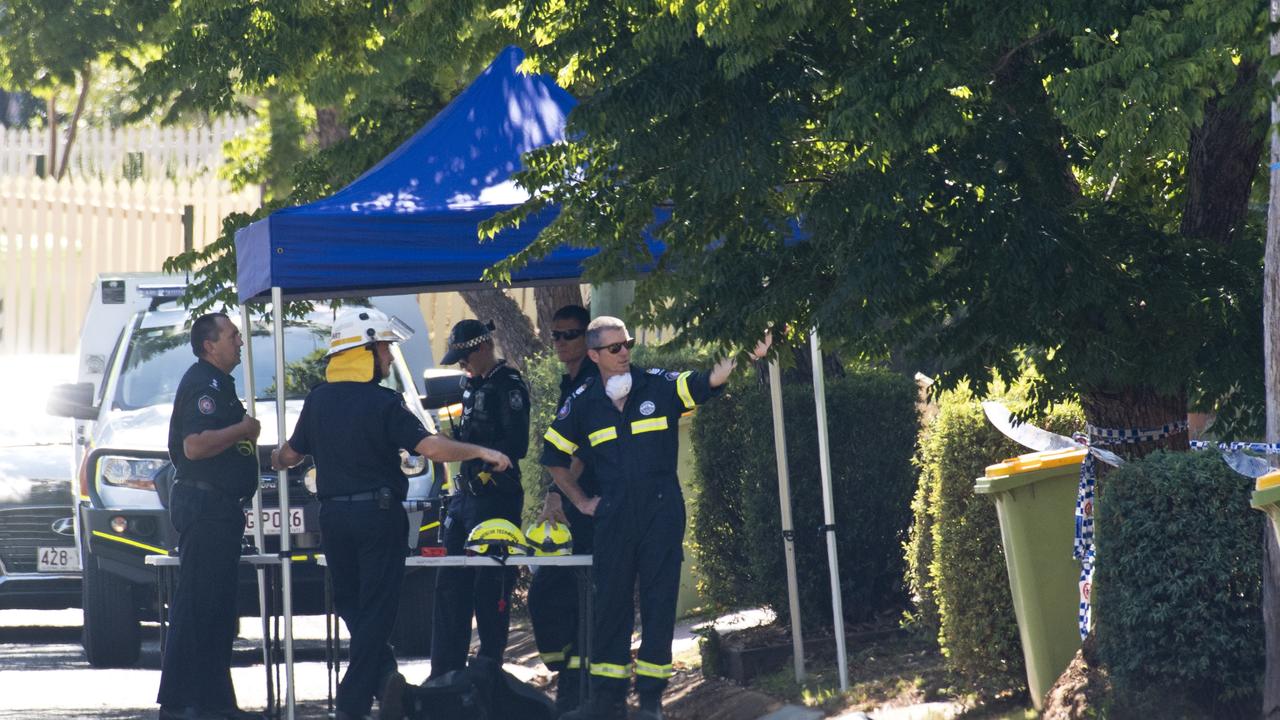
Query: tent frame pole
[[286, 569], [250, 400], [828, 505], [788, 527]]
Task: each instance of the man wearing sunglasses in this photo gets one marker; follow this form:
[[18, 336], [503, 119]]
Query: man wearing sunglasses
[[495, 414], [553, 602], [625, 427]]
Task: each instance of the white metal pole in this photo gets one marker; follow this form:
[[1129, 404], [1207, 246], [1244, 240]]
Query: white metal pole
[[282, 483], [1271, 376], [788, 528], [828, 505], [250, 399]]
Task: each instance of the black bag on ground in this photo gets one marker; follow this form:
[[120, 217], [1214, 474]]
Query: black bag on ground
[[483, 691]]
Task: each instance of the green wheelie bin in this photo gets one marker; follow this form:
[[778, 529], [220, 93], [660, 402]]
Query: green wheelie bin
[[1266, 497], [1035, 498]]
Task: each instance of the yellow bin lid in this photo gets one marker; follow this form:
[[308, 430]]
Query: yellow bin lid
[[1028, 469], [1037, 461]]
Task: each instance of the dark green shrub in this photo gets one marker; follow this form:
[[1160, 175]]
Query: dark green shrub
[[956, 566], [1178, 583], [872, 427]]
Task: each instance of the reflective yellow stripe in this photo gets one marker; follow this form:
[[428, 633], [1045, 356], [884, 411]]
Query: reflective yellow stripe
[[653, 670], [127, 541], [603, 435], [575, 663], [429, 525], [560, 441], [650, 425], [548, 658], [340, 341], [609, 670], [682, 387]]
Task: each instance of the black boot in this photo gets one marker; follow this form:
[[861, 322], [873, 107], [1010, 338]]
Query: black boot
[[650, 707], [568, 691], [602, 706]]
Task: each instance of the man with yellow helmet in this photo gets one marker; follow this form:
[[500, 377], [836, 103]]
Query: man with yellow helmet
[[354, 428]]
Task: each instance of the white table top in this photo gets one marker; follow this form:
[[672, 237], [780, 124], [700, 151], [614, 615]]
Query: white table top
[[414, 561]]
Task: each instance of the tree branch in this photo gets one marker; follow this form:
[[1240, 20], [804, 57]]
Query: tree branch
[[85, 74]]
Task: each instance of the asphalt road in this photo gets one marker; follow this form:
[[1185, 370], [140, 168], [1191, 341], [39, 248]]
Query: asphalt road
[[44, 675]]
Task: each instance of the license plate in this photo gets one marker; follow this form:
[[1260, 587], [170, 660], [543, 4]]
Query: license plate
[[271, 521], [57, 559]]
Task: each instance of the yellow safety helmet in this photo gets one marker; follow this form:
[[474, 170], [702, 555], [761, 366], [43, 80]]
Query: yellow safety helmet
[[496, 537], [550, 538]]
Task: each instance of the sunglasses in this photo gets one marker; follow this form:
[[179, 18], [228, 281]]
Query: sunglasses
[[567, 334], [617, 347]]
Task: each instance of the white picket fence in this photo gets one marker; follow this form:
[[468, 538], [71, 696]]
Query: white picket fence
[[131, 153], [55, 237]]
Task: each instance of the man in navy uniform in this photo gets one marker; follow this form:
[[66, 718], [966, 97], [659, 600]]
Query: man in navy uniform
[[625, 427], [212, 447], [354, 428], [553, 596], [495, 414]]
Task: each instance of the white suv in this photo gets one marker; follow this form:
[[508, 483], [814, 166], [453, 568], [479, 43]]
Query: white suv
[[125, 473]]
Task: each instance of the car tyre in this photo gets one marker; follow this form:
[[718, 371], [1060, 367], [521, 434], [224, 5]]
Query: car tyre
[[112, 635], [412, 632]]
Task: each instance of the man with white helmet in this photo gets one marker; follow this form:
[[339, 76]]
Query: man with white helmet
[[354, 428]]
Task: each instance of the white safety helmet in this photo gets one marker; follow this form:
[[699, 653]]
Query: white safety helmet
[[359, 326]]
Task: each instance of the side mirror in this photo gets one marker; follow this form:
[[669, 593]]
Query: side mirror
[[444, 387], [73, 400]]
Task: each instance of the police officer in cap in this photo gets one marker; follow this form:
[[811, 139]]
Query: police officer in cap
[[212, 446], [553, 596], [625, 427], [495, 414], [354, 428]]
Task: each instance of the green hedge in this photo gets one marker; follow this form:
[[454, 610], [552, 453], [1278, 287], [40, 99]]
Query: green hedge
[[956, 568], [872, 424], [1178, 584]]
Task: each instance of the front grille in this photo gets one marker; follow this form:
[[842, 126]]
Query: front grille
[[24, 529]]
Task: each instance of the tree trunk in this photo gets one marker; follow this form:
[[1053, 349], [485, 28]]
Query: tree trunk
[[1271, 621], [330, 129], [549, 299], [512, 328], [85, 76], [51, 108], [1138, 408], [1225, 151]]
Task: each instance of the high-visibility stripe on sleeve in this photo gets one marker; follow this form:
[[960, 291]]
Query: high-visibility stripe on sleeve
[[604, 434], [610, 670], [551, 657], [560, 441], [682, 388], [654, 670], [650, 425], [575, 662]]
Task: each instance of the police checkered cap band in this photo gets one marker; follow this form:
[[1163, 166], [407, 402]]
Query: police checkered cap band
[[468, 344]]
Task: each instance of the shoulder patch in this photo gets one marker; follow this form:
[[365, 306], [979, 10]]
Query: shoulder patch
[[206, 405], [564, 409], [516, 400], [672, 375]]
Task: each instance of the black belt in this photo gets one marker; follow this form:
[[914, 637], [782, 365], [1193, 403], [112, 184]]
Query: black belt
[[202, 485], [356, 497]]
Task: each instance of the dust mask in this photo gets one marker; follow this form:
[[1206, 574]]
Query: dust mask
[[618, 386]]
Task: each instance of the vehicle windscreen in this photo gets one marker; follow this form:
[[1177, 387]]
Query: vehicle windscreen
[[157, 357]]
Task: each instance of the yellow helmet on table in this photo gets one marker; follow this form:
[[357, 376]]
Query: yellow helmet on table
[[550, 538], [496, 537]]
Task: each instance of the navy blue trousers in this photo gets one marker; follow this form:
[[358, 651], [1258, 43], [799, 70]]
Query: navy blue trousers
[[365, 548], [638, 542], [462, 593], [203, 620]]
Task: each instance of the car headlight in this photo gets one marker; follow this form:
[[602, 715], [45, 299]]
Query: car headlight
[[130, 472]]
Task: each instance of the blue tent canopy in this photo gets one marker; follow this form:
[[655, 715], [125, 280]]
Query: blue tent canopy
[[409, 224]]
